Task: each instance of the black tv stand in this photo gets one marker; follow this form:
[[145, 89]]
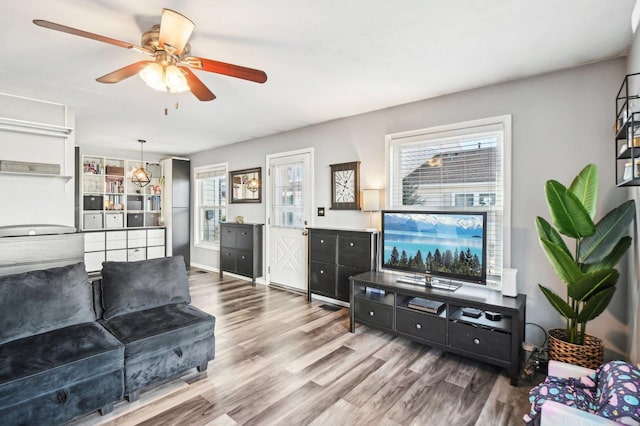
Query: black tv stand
[[381, 300]]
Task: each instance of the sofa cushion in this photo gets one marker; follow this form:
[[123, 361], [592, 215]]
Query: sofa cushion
[[136, 286], [159, 329], [40, 364], [35, 302]]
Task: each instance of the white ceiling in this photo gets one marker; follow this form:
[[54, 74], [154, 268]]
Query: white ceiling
[[325, 59]]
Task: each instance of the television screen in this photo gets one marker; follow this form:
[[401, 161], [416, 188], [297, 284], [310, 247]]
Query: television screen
[[442, 243]]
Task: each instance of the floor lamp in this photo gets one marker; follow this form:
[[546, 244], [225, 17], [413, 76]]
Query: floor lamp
[[370, 203]]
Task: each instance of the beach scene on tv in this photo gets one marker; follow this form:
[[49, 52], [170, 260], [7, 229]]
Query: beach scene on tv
[[438, 243]]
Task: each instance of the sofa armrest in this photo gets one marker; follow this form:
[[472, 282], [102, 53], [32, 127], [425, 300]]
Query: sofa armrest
[[561, 369], [554, 413]]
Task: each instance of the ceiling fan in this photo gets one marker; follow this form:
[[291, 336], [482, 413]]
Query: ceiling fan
[[170, 67]]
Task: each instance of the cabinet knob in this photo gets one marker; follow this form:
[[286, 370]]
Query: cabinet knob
[[244, 233], [371, 313], [418, 326], [244, 257], [350, 244], [321, 272], [321, 241], [476, 341]]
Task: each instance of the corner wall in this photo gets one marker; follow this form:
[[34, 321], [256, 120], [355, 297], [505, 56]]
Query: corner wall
[[561, 122]]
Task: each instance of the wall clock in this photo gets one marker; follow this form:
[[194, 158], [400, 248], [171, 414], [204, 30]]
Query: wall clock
[[345, 186]]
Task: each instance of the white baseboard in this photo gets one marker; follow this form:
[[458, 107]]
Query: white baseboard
[[240, 277]]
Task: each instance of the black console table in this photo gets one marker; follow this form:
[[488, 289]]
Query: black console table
[[379, 301]]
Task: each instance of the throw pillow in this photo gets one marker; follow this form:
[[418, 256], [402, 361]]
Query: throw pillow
[[136, 286]]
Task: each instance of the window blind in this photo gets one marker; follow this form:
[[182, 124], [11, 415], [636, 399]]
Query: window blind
[[459, 169], [211, 203]]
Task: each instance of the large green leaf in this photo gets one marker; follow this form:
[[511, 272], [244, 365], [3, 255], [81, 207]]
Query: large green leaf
[[545, 230], [558, 303], [596, 305], [592, 283], [585, 187], [567, 212], [562, 263], [609, 230], [612, 259]]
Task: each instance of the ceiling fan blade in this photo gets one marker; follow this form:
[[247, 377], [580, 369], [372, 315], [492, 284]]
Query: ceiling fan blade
[[226, 69], [122, 73], [175, 30], [196, 86], [81, 33]]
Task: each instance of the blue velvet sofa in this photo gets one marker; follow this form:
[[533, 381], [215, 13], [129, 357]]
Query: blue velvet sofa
[[69, 347], [56, 361]]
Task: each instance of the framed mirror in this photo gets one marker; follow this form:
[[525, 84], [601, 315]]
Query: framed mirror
[[246, 185]]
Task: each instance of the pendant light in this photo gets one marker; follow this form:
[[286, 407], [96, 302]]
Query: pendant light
[[141, 177]]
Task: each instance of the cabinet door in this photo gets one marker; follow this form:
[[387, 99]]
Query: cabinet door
[[244, 262], [136, 254], [155, 237], [137, 238], [227, 259], [322, 278], [117, 255], [244, 237], [117, 240], [342, 285], [93, 261], [155, 252], [94, 241], [322, 246], [228, 235], [354, 250]]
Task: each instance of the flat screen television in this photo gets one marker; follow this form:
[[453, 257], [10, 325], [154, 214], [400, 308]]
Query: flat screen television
[[447, 244]]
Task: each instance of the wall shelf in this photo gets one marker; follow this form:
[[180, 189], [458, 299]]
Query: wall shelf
[[44, 175]]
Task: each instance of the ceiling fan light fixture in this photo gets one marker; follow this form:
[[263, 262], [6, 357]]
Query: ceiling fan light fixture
[[152, 74], [175, 79]]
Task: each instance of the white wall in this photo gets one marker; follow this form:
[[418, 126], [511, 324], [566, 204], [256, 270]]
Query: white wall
[[35, 199], [633, 66], [561, 122]]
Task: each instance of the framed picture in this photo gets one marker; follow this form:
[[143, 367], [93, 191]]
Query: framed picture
[[246, 185], [345, 186]]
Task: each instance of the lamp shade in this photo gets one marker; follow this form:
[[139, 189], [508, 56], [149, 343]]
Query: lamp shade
[[370, 200]]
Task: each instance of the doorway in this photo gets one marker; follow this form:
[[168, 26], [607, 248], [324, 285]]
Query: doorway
[[289, 201]]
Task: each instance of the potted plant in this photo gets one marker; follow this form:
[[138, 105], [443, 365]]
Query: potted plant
[[589, 271]]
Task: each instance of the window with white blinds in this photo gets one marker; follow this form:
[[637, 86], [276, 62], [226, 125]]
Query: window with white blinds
[[211, 203], [461, 167]]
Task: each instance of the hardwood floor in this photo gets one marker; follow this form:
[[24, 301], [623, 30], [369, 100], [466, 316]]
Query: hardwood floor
[[281, 361]]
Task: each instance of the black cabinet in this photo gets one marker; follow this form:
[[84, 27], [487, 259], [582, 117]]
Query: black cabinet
[[241, 249], [378, 300], [334, 256]]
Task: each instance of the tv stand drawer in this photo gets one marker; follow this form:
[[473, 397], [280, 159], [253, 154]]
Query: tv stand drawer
[[374, 313], [491, 343], [423, 326]]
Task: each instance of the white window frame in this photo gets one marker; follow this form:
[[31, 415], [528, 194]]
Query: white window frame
[[455, 129], [224, 169]]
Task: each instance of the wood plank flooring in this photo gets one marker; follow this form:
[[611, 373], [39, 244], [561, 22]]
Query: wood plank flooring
[[281, 361]]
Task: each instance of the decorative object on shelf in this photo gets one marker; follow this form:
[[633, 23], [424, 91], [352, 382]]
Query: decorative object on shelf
[[345, 186], [141, 177], [370, 203], [589, 275], [246, 185], [169, 69], [240, 219]]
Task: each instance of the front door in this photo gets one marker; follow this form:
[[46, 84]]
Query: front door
[[289, 213]]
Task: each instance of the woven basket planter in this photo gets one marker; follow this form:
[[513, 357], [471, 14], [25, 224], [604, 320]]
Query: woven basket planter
[[589, 355]]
